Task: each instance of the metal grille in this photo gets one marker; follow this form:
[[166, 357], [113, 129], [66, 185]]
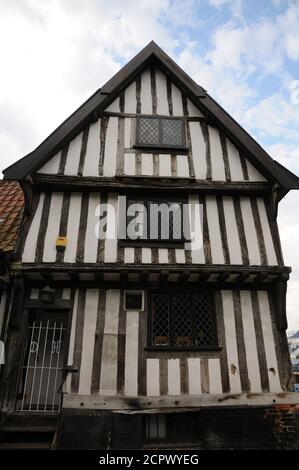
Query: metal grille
[[148, 131], [171, 132], [160, 132], [160, 316], [42, 369], [183, 320], [204, 327]]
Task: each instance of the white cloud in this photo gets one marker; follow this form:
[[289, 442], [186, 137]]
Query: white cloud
[[288, 24], [274, 116], [55, 54], [286, 154], [235, 6]]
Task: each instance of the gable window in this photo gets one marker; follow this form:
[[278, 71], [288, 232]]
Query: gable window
[[182, 321], [152, 221], [160, 132]]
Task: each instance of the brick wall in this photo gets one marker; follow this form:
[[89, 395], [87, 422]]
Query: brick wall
[[250, 428], [274, 427]]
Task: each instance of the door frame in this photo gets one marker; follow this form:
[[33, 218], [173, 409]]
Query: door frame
[[23, 342]]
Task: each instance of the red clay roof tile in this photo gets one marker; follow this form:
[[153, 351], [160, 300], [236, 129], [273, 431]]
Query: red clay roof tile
[[11, 214]]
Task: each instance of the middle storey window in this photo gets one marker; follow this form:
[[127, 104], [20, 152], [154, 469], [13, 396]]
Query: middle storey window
[[151, 221]]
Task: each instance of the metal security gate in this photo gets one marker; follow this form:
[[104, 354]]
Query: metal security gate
[[41, 371]]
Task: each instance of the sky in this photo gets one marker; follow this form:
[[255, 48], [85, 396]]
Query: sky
[[55, 53]]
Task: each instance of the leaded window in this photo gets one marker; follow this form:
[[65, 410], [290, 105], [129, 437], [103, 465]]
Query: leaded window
[[157, 220], [182, 320], [160, 132]]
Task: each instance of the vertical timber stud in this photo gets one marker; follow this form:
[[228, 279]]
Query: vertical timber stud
[[78, 340], [222, 342], [142, 338], [103, 132], [101, 241], [63, 224], [121, 345], [225, 155], [98, 343], [241, 230], [260, 342], [259, 231], [284, 368], [82, 228], [63, 159], [120, 137], [43, 229], [83, 150], [280, 293], [206, 236], [206, 136], [245, 385], [244, 166], [154, 89], [271, 208], [190, 157], [223, 232], [169, 96]]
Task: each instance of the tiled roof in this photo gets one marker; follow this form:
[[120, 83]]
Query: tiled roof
[[11, 214]]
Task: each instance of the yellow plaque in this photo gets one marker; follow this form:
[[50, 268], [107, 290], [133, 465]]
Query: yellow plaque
[[61, 242]]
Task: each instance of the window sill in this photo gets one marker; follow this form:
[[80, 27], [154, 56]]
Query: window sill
[[153, 243], [162, 149], [176, 350]]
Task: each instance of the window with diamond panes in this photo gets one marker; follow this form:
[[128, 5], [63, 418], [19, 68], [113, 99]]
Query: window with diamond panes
[[160, 132], [182, 321]]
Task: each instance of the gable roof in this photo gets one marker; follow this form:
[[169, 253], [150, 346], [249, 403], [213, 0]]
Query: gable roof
[[101, 98], [11, 214]]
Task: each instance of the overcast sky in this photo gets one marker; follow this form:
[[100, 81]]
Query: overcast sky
[[55, 53]]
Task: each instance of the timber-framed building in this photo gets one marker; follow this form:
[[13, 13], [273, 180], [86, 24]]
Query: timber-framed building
[[149, 342]]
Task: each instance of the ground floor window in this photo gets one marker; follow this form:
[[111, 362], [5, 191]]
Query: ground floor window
[[171, 428], [182, 320]]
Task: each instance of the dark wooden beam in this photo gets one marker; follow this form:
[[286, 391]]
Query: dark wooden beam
[[223, 277], [124, 275], [184, 276], [244, 276], [243, 271], [47, 276], [144, 276], [261, 277], [99, 277], [164, 276], [74, 276], [131, 184]]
